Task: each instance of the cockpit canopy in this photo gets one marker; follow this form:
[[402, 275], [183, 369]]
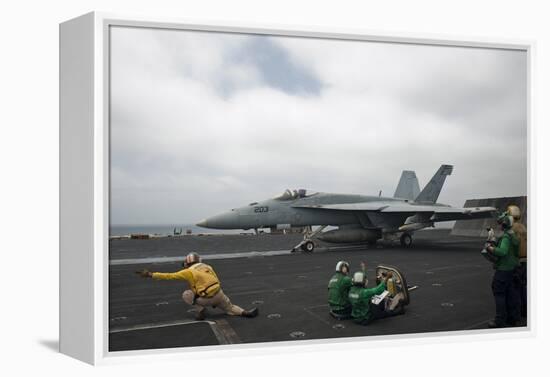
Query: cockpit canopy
[[294, 194]]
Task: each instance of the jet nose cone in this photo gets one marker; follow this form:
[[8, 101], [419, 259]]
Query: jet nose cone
[[227, 220], [203, 223]]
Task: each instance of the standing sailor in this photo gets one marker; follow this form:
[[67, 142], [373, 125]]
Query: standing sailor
[[521, 233], [505, 280]]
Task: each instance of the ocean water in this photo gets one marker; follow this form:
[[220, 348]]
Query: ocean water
[[165, 229]]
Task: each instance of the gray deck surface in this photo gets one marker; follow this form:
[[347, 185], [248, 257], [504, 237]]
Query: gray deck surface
[[454, 290]]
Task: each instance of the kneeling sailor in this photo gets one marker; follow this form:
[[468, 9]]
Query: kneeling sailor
[[205, 288], [338, 289]]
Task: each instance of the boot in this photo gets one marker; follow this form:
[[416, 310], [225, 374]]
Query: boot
[[250, 313], [200, 315]]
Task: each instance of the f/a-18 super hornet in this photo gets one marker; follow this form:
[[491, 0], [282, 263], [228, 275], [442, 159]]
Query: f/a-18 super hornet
[[358, 218]]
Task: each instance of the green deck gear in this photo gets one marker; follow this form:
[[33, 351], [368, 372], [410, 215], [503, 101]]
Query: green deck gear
[[338, 289], [360, 298], [507, 251]]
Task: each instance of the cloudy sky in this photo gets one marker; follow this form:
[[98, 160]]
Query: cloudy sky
[[202, 122]]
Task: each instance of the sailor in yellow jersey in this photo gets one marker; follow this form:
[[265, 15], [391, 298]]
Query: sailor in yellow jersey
[[205, 288], [521, 233]]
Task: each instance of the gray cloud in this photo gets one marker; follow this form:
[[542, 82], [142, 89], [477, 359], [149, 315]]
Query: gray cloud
[[276, 68], [202, 122]]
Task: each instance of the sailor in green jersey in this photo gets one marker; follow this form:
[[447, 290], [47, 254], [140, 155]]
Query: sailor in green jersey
[[505, 283], [363, 310], [338, 289]]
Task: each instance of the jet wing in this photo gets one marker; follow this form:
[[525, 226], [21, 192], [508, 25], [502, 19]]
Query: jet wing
[[451, 213], [439, 212], [362, 206], [436, 209]]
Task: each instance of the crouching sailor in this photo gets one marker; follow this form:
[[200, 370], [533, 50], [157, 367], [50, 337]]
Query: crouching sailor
[[364, 311], [205, 288], [338, 289]]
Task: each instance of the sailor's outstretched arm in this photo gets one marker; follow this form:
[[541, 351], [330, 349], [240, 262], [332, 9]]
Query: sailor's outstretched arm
[[180, 275]]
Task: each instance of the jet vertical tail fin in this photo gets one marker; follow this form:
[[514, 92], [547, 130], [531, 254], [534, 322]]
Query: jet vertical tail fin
[[408, 187], [431, 191]]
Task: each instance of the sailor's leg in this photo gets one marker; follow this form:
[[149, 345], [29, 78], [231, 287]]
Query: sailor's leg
[[513, 300], [378, 311], [340, 313], [189, 297], [223, 302], [523, 288], [499, 287]]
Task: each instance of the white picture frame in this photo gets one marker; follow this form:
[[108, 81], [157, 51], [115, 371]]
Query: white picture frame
[[84, 183]]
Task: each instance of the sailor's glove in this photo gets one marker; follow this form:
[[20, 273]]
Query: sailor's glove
[[144, 273]]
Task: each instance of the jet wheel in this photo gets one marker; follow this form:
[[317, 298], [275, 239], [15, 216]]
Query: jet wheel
[[406, 240], [308, 247]]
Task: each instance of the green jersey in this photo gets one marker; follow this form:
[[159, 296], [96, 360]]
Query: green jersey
[[360, 301], [507, 252], [338, 289]]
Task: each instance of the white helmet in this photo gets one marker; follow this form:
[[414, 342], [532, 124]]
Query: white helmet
[[505, 220], [340, 265], [359, 278], [191, 259]]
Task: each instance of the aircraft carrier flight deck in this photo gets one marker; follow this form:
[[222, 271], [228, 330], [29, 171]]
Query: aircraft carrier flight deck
[[290, 289]]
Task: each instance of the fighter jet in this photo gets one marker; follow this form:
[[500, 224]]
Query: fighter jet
[[357, 218]]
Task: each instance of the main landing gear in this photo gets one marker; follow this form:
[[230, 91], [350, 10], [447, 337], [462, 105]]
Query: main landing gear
[[308, 246], [406, 240]]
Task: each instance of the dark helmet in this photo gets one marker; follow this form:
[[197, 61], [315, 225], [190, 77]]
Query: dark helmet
[[191, 259], [360, 279], [505, 220], [340, 265]]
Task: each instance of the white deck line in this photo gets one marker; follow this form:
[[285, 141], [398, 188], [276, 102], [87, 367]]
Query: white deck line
[[223, 332], [213, 256]]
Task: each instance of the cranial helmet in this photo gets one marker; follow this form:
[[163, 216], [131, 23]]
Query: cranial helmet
[[505, 220], [340, 265], [359, 278], [191, 259], [514, 211]]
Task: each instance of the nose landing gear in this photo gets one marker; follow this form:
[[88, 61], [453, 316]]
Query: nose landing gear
[[307, 244]]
